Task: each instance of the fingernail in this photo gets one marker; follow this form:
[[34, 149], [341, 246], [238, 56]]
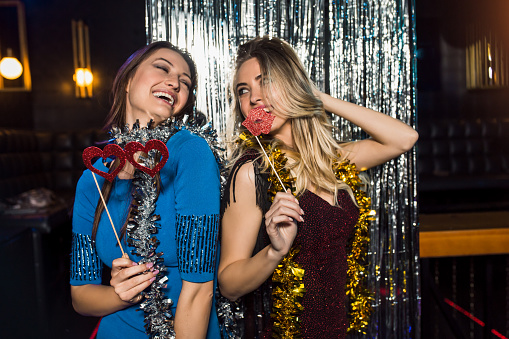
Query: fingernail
[[134, 264], [152, 279], [301, 219], [301, 211], [155, 272], [149, 265]]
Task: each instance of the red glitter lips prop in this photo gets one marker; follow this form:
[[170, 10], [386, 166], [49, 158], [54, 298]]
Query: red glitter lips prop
[[259, 121]]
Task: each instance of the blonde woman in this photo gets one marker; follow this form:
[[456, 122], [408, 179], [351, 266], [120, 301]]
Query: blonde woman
[[311, 226]]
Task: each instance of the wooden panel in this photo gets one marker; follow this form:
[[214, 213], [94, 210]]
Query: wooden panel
[[461, 234], [464, 242]]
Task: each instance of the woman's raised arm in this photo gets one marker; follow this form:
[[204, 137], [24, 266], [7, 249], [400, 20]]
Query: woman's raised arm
[[389, 137]]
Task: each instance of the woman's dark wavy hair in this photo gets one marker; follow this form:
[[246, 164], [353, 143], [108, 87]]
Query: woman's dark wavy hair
[[117, 114]]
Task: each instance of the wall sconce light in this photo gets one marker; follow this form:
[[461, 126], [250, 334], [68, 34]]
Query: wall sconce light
[[10, 67], [14, 67], [486, 58], [83, 76]]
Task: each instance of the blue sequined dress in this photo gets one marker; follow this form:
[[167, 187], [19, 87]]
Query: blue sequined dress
[[188, 204]]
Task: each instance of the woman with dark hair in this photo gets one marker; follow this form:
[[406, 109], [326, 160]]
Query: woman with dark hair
[[163, 285], [284, 249]]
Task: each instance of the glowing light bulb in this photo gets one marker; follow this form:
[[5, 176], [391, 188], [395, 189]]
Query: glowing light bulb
[[10, 68], [83, 77]]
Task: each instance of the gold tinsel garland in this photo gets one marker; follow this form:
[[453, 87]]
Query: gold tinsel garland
[[360, 297], [287, 295], [288, 276], [288, 289]]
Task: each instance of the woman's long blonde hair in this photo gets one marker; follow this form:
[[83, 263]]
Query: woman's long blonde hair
[[287, 87]]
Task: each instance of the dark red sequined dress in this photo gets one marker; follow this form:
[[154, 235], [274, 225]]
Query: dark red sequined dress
[[323, 238]]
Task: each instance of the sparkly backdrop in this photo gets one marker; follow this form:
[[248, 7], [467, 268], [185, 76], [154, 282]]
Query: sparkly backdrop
[[359, 51]]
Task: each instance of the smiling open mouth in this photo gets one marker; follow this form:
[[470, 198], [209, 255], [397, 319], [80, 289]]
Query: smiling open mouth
[[165, 96]]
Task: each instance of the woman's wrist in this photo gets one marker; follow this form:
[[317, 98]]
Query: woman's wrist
[[331, 104], [136, 299], [274, 256]]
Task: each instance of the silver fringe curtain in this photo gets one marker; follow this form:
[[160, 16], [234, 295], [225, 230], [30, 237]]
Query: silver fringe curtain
[[359, 51]]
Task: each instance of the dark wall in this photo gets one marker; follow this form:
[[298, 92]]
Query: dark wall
[[116, 30], [441, 31]]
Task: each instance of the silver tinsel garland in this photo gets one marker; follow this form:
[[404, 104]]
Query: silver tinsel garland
[[143, 225], [359, 51]]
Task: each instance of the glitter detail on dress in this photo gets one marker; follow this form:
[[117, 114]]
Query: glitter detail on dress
[[323, 240], [85, 263], [196, 243]]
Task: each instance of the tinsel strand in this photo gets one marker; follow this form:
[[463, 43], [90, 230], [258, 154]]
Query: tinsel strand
[[360, 297], [288, 290], [143, 224], [287, 295], [289, 273]]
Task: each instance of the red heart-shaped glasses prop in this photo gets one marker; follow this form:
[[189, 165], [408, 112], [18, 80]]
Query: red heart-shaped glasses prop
[[133, 147], [259, 121], [109, 150]]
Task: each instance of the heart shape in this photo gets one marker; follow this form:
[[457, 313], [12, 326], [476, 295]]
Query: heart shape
[[111, 149], [134, 146]]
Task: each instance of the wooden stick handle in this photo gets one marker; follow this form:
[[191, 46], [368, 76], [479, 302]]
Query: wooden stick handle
[[109, 216], [270, 162]]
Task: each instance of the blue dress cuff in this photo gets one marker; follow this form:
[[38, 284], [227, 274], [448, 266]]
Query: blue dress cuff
[[196, 246], [86, 267]]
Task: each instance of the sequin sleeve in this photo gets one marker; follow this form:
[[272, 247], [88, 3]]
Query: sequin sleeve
[[86, 267], [197, 195], [196, 244]]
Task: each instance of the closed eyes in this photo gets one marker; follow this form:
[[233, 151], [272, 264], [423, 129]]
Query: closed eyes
[[166, 69]]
